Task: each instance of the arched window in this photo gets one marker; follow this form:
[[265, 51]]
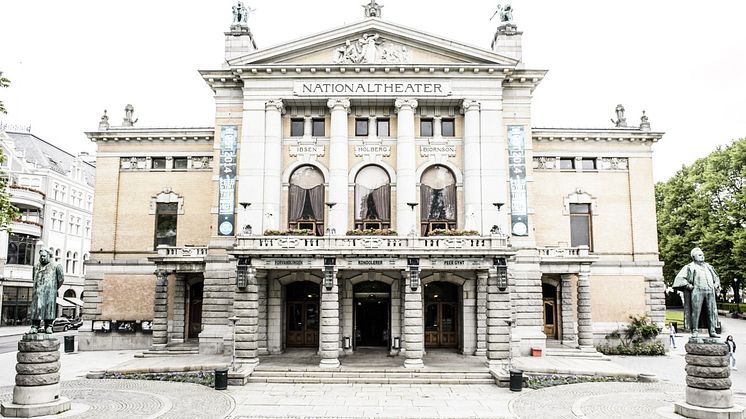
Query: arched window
[[85, 259], [372, 199], [75, 262], [306, 200], [57, 255], [437, 199], [70, 293], [68, 262]]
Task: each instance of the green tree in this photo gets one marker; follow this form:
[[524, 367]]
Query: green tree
[[705, 205], [8, 212], [4, 82]]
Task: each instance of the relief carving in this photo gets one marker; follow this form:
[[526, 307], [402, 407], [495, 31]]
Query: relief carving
[[370, 49]]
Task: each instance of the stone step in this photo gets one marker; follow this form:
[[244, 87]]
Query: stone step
[[370, 380], [170, 352], [575, 353], [428, 375]]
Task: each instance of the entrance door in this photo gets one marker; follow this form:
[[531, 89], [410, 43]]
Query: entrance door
[[302, 315], [549, 294], [441, 315], [195, 310], [372, 299]]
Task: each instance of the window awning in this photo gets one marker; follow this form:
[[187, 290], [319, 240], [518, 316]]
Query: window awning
[[64, 303], [76, 301]]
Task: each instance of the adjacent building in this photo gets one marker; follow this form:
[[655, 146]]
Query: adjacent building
[[371, 186], [53, 191]]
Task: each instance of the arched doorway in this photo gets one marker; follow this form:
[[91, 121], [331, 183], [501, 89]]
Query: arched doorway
[[303, 315], [549, 294], [372, 301], [441, 315]]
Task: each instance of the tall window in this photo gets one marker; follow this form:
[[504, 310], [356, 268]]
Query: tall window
[[426, 127], [75, 263], [383, 127], [372, 199], [68, 262], [318, 127], [361, 127], [448, 127], [580, 225], [20, 249], [437, 199], [296, 127], [306, 200], [57, 253], [165, 223]]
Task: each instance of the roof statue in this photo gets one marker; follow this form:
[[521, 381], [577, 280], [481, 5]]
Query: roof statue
[[505, 13], [644, 122], [621, 121], [103, 124], [128, 121], [372, 9], [241, 14]]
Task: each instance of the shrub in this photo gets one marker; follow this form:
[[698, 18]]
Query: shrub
[[544, 381], [205, 378], [638, 338]]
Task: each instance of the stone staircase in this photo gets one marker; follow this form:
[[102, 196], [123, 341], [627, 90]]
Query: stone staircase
[[368, 376], [575, 353], [180, 349]]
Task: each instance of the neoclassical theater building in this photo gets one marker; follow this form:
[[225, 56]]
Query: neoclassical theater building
[[371, 185]]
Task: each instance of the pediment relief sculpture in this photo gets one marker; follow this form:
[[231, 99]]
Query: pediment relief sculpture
[[370, 49]]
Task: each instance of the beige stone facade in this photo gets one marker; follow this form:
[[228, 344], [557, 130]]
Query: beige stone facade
[[378, 127]]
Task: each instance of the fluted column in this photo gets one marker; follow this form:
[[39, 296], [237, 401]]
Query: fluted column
[[498, 315], [160, 316], [413, 325], [568, 316], [329, 327], [585, 323], [338, 165], [246, 308], [272, 164], [406, 182], [472, 168], [481, 313]]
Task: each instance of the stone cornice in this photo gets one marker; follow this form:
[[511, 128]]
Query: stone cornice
[[132, 134], [595, 134]]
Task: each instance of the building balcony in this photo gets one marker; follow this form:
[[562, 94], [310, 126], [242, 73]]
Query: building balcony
[[26, 197], [180, 259], [564, 255], [28, 227]]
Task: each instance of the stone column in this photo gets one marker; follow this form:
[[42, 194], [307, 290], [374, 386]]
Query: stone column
[[246, 308], [413, 325], [262, 342], [160, 316], [272, 164], [396, 315], [346, 294], [250, 176], [481, 313], [472, 168], [179, 320], [568, 317], [338, 165], [406, 182], [329, 327], [498, 315], [585, 323], [274, 317]]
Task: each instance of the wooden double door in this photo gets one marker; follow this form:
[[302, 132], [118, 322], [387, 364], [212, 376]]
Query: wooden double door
[[303, 315], [441, 315]]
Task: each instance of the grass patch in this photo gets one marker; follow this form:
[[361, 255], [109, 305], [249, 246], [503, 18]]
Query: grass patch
[[544, 381], [675, 316]]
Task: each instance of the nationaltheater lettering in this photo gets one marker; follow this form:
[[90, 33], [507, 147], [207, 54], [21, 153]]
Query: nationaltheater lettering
[[371, 88]]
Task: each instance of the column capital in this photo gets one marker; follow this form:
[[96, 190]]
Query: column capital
[[161, 275], [470, 105], [410, 104], [339, 104], [275, 105]]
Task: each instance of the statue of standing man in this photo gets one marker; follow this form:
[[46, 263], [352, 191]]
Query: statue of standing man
[[700, 284], [48, 278]]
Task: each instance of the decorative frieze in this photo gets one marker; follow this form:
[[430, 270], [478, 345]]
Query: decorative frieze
[[603, 163], [165, 163], [371, 49]]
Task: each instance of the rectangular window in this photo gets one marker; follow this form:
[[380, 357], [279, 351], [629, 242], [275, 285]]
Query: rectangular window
[[165, 224], [426, 127], [180, 163], [20, 249], [588, 164], [383, 128], [296, 127], [567, 163], [361, 127], [448, 127], [319, 128], [158, 163], [580, 225]]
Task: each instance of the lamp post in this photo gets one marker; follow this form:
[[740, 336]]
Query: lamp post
[[329, 271], [233, 320], [414, 273], [412, 206]]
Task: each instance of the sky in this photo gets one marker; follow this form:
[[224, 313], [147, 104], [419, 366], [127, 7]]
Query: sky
[[684, 62]]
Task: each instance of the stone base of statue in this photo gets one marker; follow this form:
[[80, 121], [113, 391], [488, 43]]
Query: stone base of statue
[[708, 392], [37, 390]]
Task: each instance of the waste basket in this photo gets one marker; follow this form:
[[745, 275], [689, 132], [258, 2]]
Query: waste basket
[[221, 378], [516, 380], [70, 343], [675, 327]]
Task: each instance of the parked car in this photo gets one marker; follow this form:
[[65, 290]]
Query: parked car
[[63, 324], [76, 323]]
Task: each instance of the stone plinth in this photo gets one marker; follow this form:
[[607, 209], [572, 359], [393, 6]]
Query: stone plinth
[[708, 392], [37, 390]]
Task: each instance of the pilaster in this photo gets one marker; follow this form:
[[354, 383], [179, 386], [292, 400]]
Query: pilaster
[[273, 164], [481, 310], [585, 322], [406, 182], [413, 325], [569, 337], [338, 165], [160, 316], [274, 316], [329, 327], [472, 168], [346, 294], [178, 321]]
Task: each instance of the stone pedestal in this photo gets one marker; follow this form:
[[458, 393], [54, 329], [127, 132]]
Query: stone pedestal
[[37, 390], [708, 392]]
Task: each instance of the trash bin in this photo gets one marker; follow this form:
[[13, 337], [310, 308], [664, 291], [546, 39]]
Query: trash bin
[[69, 343], [675, 327], [516, 380], [221, 378]]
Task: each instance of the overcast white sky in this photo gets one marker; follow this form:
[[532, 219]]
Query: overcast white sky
[[682, 61]]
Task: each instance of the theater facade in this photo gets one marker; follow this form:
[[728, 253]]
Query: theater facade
[[371, 186]]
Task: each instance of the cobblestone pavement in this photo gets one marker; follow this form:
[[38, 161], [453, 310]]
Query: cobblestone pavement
[[140, 399]]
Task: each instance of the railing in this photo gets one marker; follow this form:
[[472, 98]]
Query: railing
[[557, 252], [182, 252], [26, 196], [384, 243]]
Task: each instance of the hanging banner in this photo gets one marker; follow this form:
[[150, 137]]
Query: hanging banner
[[518, 193], [227, 180]]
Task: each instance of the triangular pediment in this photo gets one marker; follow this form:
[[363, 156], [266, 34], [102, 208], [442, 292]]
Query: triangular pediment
[[373, 41]]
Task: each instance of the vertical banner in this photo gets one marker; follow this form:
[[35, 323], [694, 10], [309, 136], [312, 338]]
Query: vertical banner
[[518, 193], [227, 181]]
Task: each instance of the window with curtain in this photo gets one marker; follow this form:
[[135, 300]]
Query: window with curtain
[[372, 198], [306, 200], [437, 199]]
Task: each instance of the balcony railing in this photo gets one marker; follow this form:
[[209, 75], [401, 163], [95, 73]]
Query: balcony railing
[[564, 252], [26, 196], [352, 244], [182, 252]]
